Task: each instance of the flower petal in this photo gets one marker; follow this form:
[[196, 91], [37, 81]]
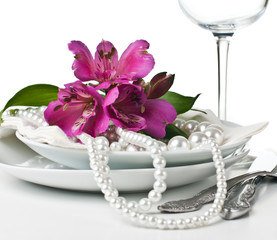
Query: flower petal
[[83, 64], [111, 96], [136, 60], [97, 124], [64, 116], [82, 111], [129, 121], [159, 85], [106, 57], [158, 113]]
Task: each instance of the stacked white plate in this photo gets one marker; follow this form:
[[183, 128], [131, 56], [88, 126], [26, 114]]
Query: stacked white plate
[[131, 171]]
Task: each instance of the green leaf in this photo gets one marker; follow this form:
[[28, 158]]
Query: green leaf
[[34, 95], [181, 103], [172, 131]]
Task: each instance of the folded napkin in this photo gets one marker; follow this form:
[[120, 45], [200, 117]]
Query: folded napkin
[[231, 134], [52, 135], [55, 136]]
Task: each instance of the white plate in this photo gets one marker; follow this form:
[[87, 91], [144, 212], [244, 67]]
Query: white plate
[[78, 159], [25, 164]]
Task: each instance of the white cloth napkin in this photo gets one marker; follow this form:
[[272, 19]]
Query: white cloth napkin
[[52, 135], [231, 134]]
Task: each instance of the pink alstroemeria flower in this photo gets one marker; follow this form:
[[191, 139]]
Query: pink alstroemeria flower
[[134, 63], [128, 107], [79, 108]]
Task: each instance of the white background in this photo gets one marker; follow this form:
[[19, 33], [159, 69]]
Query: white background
[[34, 37], [33, 49]]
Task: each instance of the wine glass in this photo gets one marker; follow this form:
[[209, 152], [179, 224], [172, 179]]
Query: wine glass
[[222, 18]]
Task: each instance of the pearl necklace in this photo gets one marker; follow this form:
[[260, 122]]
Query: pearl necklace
[[136, 211]]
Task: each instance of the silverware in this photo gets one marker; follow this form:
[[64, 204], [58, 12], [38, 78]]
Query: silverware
[[243, 190], [239, 198]]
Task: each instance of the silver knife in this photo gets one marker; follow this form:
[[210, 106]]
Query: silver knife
[[261, 166]]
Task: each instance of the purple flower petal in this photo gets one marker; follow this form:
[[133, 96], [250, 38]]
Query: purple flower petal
[[65, 116], [83, 65], [106, 59], [136, 60], [80, 107], [158, 113], [123, 106], [97, 124]]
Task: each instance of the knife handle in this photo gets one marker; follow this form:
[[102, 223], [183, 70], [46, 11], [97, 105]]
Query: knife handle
[[239, 198], [205, 196]]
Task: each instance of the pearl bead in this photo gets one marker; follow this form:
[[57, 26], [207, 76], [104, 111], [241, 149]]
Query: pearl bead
[[202, 126], [161, 223], [134, 216], [143, 218], [145, 204], [115, 146], [197, 138], [108, 181], [159, 186], [171, 223], [189, 222], [216, 126], [102, 141], [125, 211], [131, 148], [132, 205], [159, 162], [179, 123], [101, 147], [155, 150], [154, 196], [152, 221], [122, 142], [162, 146], [215, 134], [149, 142], [160, 174], [110, 194], [181, 224], [178, 143], [189, 126]]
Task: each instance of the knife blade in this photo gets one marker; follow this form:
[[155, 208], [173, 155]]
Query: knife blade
[[261, 166]]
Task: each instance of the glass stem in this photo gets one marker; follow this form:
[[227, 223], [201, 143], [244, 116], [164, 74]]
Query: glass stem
[[222, 54]]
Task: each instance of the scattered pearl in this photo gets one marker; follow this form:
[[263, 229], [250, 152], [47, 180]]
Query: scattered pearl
[[197, 138], [178, 143], [214, 133], [202, 126], [216, 126], [179, 123], [189, 126]]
